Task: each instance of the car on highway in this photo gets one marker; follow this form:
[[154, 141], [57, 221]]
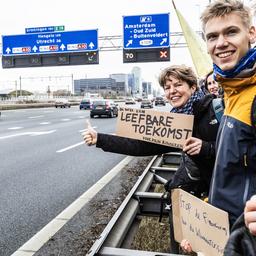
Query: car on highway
[[62, 103], [85, 104], [138, 99], [130, 101], [160, 101], [146, 103], [104, 108]]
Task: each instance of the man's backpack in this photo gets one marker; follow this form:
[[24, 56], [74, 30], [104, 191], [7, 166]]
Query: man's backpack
[[218, 107]]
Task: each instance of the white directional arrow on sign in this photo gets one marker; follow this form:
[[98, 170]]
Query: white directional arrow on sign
[[62, 47], [163, 41], [8, 50], [129, 43], [91, 45], [34, 48]]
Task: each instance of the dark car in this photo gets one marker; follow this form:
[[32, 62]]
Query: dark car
[[85, 104], [146, 104], [159, 101], [104, 108]]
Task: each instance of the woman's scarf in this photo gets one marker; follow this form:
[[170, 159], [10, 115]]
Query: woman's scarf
[[246, 62], [188, 108]]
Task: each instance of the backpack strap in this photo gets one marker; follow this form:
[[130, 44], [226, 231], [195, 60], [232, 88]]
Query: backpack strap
[[253, 115], [218, 107]]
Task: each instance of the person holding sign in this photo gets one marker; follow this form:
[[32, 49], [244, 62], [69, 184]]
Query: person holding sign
[[229, 33], [180, 86]]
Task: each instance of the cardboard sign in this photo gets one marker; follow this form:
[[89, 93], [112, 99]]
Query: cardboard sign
[[203, 225], [158, 127]]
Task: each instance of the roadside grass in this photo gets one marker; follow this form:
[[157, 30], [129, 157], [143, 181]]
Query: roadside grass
[[153, 235]]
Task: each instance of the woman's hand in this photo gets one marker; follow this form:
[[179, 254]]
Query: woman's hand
[[186, 246], [250, 215], [192, 146], [90, 135]]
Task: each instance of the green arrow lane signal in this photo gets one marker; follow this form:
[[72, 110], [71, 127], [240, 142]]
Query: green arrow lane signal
[[59, 28]]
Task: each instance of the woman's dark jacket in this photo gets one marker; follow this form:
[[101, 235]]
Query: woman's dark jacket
[[241, 242], [205, 128]]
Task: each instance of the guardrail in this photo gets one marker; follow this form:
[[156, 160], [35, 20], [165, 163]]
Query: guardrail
[[117, 236]]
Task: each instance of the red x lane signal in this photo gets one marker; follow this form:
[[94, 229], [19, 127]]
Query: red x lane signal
[[146, 55], [163, 54]]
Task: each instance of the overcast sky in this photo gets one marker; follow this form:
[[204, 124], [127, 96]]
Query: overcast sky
[[106, 16]]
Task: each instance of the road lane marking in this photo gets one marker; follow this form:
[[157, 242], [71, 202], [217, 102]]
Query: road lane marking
[[70, 147], [75, 145], [34, 117], [65, 119], [27, 133], [94, 127], [45, 123], [15, 128], [42, 133], [13, 135], [47, 232]]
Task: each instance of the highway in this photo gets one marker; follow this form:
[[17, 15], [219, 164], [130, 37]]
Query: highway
[[44, 167]]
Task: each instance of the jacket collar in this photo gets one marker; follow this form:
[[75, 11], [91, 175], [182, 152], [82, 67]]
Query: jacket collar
[[242, 80]]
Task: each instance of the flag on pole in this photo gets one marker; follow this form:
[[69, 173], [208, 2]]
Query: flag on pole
[[196, 45]]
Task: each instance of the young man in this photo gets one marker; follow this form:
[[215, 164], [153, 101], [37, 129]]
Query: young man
[[229, 34]]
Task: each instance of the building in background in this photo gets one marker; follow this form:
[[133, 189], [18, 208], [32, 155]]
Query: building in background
[[116, 85], [102, 86], [131, 84], [122, 88], [136, 72], [147, 89]]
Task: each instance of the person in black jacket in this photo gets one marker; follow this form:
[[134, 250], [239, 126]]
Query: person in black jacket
[[242, 239], [250, 215], [180, 86]]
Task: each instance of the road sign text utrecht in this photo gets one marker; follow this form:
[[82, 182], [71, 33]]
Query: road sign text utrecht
[[146, 31], [56, 42]]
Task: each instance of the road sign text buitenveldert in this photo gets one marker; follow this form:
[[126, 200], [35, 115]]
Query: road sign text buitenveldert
[[158, 127]]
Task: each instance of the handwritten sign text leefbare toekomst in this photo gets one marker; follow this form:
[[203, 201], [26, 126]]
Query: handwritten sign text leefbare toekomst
[[164, 128]]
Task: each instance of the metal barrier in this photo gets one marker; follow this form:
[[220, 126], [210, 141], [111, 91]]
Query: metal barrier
[[116, 238]]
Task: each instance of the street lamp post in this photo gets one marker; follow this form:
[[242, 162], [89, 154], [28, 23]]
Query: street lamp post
[[16, 92], [20, 87]]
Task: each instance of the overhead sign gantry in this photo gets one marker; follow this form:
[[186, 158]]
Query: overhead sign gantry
[[50, 49], [146, 38]]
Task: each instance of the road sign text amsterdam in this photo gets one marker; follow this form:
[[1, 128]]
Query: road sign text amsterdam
[[146, 31], [45, 43]]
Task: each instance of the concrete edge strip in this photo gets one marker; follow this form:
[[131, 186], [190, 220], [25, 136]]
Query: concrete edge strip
[[42, 236]]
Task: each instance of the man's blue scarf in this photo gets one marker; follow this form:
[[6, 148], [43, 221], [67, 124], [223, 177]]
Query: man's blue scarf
[[246, 62], [188, 108]]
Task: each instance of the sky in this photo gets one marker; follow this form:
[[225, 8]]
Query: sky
[[107, 17]]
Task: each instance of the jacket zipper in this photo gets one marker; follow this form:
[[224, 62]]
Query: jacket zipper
[[217, 156], [247, 180]]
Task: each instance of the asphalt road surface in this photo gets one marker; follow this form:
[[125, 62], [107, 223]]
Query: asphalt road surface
[[44, 167]]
